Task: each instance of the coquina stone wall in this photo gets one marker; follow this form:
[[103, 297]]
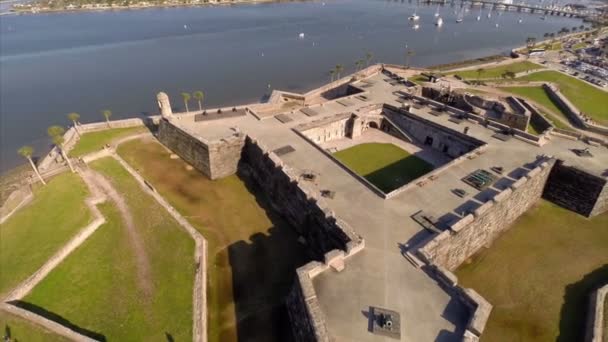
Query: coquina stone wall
[[577, 190], [466, 236], [216, 159]]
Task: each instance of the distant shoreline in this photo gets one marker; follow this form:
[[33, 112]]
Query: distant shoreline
[[30, 11]]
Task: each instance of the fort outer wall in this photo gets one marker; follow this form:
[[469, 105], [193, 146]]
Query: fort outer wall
[[577, 190], [215, 159], [474, 231]]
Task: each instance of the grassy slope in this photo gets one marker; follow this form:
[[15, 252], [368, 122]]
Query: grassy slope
[[96, 287], [539, 95], [384, 165], [94, 141], [37, 231], [230, 217], [536, 267], [22, 330], [496, 72], [585, 97]]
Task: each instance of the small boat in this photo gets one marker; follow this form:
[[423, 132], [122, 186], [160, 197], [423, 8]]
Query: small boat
[[439, 22], [459, 20], [437, 11], [496, 24], [543, 18], [478, 18], [520, 20], [301, 36], [416, 27], [414, 17]]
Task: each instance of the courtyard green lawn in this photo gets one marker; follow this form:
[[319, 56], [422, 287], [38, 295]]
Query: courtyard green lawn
[[19, 329], [587, 98], [385, 165], [95, 141], [252, 254], [539, 274], [37, 231], [100, 289], [496, 72]]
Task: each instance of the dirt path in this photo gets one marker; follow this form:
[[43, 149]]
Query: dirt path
[[144, 274]]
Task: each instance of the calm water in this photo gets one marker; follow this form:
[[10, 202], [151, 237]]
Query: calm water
[[51, 65]]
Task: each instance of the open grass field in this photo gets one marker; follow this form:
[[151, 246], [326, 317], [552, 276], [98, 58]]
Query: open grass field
[[587, 98], [99, 290], [94, 141], [253, 253], [539, 95], [18, 329], [385, 165], [539, 274], [40, 229], [496, 72]]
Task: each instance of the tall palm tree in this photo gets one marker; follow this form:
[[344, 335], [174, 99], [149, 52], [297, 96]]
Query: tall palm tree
[[199, 96], [479, 72], [339, 70], [186, 97], [74, 118], [332, 74], [107, 114], [368, 58], [358, 64], [408, 55], [530, 42], [56, 134], [27, 152]]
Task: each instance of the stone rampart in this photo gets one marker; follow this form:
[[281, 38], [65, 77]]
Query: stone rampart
[[595, 317], [215, 159], [297, 202], [572, 112], [480, 228], [577, 190]]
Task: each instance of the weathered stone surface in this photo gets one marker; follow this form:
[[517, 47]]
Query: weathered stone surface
[[576, 190], [478, 320], [595, 317]]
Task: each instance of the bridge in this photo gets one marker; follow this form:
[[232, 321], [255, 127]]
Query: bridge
[[521, 7]]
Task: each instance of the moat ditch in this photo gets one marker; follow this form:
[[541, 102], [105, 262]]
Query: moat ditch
[[253, 252]]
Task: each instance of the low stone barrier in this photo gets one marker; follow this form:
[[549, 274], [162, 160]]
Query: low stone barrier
[[595, 316], [23, 195]]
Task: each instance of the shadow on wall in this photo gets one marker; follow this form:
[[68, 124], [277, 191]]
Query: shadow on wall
[[573, 315], [263, 272], [57, 318], [399, 173]]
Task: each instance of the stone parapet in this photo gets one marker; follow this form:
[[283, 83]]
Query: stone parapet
[[595, 318]]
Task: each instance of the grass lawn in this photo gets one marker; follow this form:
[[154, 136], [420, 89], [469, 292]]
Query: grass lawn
[[252, 252], [496, 72], [539, 275], [579, 45], [94, 141], [384, 165], [587, 98], [419, 79], [40, 229], [97, 288], [19, 329], [539, 95]]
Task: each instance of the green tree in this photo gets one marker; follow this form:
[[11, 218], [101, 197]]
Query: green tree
[[186, 97], [359, 64], [27, 152], [74, 118], [339, 70], [368, 58], [479, 72], [199, 96], [510, 74], [530, 42], [56, 134], [107, 114], [332, 74], [408, 56]]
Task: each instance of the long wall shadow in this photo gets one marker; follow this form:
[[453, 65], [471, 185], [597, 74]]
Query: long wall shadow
[[58, 319], [263, 271], [573, 316]]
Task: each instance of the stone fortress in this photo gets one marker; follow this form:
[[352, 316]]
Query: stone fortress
[[390, 254]]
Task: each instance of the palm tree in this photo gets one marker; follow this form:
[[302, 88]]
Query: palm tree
[[479, 72], [56, 134], [74, 118], [107, 114], [368, 58], [530, 42], [27, 152], [186, 97], [339, 70], [199, 96], [510, 74], [408, 55], [358, 64], [332, 74]]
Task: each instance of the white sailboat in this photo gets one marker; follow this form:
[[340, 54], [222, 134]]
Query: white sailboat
[[520, 20], [459, 19], [439, 22], [414, 17], [437, 11], [479, 15]]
